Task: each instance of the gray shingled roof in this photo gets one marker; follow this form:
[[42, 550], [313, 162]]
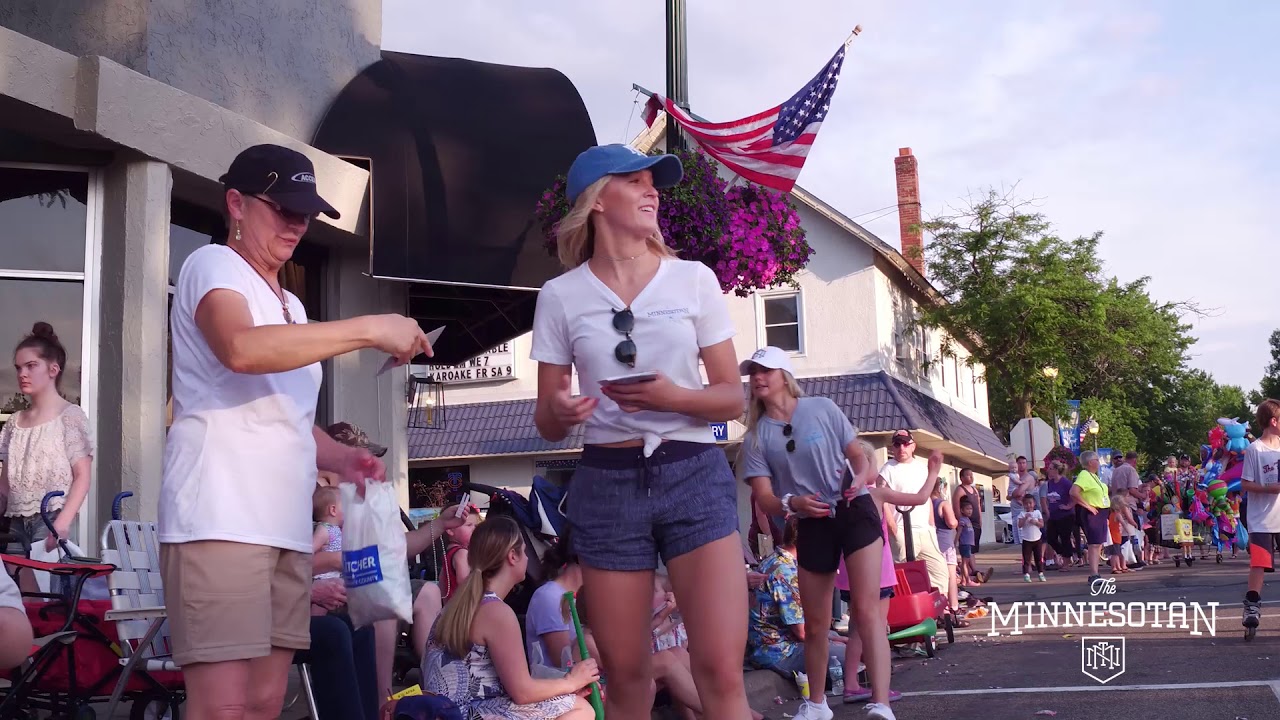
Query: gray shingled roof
[[878, 402], [874, 402], [494, 428]]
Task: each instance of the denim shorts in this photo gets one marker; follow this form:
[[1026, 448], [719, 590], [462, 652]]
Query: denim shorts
[[27, 530], [625, 510], [966, 551]]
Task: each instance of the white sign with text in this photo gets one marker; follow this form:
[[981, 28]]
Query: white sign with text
[[496, 365]]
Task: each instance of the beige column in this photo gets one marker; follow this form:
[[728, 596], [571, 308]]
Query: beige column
[[133, 336], [358, 394]]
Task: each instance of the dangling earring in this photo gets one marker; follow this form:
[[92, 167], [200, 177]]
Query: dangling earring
[[237, 232]]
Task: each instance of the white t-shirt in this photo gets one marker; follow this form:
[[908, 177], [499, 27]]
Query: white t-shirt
[[679, 312], [240, 459], [1260, 466], [909, 478], [1030, 532]]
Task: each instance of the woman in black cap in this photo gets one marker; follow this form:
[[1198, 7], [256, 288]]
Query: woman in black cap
[[242, 454]]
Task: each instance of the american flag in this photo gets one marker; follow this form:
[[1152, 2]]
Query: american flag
[[768, 148]]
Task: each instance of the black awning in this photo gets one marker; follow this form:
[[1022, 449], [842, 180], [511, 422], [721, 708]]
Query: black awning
[[460, 152]]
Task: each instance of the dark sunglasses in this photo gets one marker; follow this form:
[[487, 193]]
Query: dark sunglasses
[[289, 216], [624, 322], [791, 442]]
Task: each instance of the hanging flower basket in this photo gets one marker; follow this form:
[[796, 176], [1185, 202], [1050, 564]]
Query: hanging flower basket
[[749, 235], [1067, 457]]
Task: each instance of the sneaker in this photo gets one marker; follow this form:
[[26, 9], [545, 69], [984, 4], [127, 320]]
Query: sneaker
[[811, 711], [1042, 578], [1252, 614], [1026, 577], [879, 711]]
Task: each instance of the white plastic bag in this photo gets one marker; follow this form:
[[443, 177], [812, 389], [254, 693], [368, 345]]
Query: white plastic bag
[[375, 566]]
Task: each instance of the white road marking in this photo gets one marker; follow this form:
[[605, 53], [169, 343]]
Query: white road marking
[[1274, 685]]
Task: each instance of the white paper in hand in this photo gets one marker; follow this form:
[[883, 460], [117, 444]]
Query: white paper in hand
[[375, 567]]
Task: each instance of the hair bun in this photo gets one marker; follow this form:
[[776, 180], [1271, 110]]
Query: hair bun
[[44, 330]]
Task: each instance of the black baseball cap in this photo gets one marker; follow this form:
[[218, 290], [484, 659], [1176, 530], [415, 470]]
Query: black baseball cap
[[286, 176], [903, 437]]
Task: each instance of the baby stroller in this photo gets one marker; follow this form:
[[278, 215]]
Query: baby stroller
[[542, 523], [80, 651]]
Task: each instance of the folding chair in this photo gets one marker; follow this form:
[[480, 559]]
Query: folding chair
[[137, 600], [137, 603]]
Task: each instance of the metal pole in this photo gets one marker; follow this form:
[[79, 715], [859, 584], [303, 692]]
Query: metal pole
[[677, 69], [1054, 395]]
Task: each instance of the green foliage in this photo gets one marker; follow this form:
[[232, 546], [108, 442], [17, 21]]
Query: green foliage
[[1028, 299], [1269, 386]]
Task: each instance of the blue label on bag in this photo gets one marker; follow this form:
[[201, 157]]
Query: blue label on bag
[[361, 567]]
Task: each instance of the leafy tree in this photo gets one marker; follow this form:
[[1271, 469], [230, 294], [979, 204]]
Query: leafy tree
[[1027, 299], [1269, 386]]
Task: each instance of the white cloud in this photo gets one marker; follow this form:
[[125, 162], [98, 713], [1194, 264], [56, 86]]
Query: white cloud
[[1151, 123]]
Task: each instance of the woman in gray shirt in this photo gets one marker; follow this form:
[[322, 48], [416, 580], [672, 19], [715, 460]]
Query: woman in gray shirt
[[807, 450]]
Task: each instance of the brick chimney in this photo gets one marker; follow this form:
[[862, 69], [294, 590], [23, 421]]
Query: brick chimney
[[909, 208]]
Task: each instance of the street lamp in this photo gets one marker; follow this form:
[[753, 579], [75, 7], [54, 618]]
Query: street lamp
[[1093, 429], [1052, 374]]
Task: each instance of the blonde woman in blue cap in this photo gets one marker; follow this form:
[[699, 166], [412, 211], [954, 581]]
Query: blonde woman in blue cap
[[635, 322]]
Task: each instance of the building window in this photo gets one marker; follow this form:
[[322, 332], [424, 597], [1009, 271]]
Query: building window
[[783, 323], [49, 250]]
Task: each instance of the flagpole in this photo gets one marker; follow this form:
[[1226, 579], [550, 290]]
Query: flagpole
[[856, 29], [677, 68]]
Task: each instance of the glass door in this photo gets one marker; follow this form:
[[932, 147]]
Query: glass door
[[50, 224]]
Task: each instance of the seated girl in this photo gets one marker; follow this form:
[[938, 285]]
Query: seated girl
[[475, 655]]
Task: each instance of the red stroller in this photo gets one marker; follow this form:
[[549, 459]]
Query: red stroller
[[82, 646]]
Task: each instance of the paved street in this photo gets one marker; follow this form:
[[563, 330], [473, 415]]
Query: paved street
[[1168, 673]]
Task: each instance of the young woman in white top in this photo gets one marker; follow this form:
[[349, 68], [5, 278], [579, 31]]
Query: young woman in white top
[[651, 481], [242, 454], [46, 448]]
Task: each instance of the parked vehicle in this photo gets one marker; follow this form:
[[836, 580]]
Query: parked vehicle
[[1004, 523]]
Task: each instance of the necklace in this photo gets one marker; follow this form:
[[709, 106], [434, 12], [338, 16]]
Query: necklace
[[625, 259], [284, 305]]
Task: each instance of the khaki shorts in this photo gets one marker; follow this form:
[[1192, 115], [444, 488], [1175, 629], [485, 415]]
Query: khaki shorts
[[924, 541], [235, 601]]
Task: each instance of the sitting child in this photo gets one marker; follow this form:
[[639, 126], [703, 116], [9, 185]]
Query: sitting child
[[326, 513], [475, 655], [453, 573]]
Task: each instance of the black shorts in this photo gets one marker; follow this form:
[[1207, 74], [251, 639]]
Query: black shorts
[[1262, 548], [822, 542]]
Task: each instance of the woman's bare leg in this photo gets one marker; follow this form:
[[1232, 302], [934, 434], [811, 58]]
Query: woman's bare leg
[[618, 608], [864, 596], [817, 622], [711, 591]]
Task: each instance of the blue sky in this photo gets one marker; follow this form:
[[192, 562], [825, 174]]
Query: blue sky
[[1153, 122]]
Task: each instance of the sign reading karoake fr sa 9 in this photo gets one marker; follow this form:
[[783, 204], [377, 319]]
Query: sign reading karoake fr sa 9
[[495, 365]]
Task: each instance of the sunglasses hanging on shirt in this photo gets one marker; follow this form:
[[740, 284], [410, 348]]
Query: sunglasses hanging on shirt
[[791, 442], [624, 322]]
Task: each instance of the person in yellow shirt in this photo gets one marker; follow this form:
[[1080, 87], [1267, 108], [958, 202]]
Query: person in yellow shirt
[[1091, 496]]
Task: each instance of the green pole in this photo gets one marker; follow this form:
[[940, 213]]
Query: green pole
[[582, 648]]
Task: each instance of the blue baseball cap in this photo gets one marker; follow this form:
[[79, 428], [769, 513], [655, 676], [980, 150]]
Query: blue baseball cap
[[617, 159]]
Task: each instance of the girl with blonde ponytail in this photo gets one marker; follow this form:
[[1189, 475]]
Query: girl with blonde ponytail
[[475, 655]]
